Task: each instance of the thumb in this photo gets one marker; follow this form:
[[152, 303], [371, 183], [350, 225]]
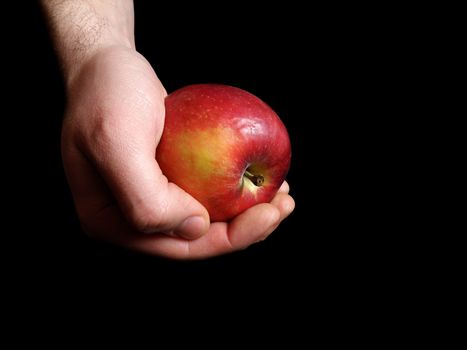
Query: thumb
[[152, 204], [149, 202], [171, 210]]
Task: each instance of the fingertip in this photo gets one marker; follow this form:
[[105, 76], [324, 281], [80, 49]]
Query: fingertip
[[285, 188], [287, 206], [284, 203], [275, 220], [192, 227]]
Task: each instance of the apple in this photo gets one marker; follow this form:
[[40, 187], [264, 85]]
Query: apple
[[224, 146]]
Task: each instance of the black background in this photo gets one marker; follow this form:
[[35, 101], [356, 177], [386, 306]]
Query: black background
[[325, 73], [360, 257]]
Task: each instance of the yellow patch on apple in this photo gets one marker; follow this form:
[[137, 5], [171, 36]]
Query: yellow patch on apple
[[213, 147]]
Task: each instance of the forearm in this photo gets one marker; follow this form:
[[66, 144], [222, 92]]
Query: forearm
[[80, 28]]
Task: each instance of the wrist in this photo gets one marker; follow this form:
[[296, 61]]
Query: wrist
[[73, 66], [83, 28]]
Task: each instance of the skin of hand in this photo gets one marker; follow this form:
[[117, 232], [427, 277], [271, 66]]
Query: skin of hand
[[113, 123]]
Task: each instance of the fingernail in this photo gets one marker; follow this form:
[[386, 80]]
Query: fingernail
[[191, 227]]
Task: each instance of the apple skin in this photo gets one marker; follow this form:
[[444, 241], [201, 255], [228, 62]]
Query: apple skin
[[212, 135]]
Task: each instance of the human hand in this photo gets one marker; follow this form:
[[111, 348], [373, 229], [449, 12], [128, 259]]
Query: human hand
[[114, 121]]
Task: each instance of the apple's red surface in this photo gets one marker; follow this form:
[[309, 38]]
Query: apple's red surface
[[224, 146]]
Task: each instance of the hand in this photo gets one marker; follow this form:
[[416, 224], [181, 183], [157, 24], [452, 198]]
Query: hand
[[114, 121]]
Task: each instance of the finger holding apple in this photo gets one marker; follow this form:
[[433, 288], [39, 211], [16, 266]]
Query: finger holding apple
[[253, 225]]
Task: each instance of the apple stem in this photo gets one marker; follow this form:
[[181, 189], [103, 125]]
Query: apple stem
[[257, 180]]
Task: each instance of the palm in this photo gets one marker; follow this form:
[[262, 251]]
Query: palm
[[114, 121]]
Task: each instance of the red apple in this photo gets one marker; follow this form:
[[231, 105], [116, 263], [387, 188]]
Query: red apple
[[224, 146]]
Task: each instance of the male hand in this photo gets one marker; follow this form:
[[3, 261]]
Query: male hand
[[113, 123]]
